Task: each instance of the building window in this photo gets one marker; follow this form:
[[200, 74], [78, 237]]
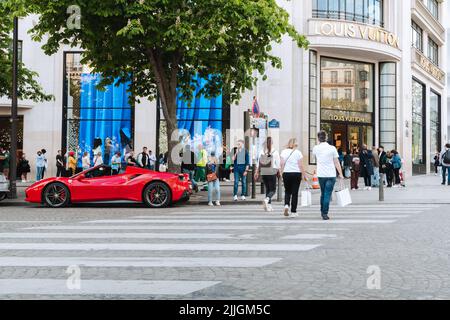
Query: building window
[[433, 6], [347, 113], [334, 94], [388, 105], [93, 120], [348, 94], [312, 104], [348, 77], [435, 126], [433, 51], [363, 75], [364, 11], [417, 36], [334, 77], [418, 128]]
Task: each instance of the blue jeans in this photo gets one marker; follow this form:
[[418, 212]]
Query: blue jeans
[[326, 188], [239, 175], [376, 177], [444, 170], [213, 186], [39, 173], [191, 174]]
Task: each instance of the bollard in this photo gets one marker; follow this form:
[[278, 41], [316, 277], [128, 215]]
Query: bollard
[[381, 188], [253, 182]]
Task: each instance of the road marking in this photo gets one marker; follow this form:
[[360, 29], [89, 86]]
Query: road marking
[[225, 221], [311, 236], [327, 229], [104, 287], [271, 216], [22, 221], [122, 227], [186, 262], [44, 235], [159, 246]]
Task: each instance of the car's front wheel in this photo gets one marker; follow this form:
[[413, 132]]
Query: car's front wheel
[[56, 195], [3, 196], [157, 195]]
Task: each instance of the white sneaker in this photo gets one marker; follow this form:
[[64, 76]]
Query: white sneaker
[[294, 215], [211, 204], [235, 198], [369, 188], [243, 198], [286, 211], [270, 209], [353, 189], [218, 203], [266, 204]]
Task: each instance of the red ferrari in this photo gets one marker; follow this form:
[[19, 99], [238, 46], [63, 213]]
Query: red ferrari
[[155, 189]]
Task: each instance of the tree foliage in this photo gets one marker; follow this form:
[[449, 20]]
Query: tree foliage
[[28, 86], [161, 45]]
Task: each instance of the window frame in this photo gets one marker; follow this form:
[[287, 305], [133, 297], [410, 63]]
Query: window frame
[[416, 29], [433, 51]]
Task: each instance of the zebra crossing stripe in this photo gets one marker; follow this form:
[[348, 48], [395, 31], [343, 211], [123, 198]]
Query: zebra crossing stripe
[[230, 221], [44, 235], [158, 246], [140, 227], [185, 262], [306, 236], [103, 287], [271, 216]]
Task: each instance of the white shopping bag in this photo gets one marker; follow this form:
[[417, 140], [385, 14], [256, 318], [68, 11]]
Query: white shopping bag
[[306, 198], [343, 197]]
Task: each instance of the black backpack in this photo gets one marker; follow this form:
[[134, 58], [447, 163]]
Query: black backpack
[[446, 157]]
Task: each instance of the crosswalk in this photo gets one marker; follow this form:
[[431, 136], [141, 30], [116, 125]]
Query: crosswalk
[[196, 238]]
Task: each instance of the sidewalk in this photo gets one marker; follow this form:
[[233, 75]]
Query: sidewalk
[[419, 189]]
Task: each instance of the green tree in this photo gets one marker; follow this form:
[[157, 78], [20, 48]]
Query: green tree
[[161, 45], [28, 87]]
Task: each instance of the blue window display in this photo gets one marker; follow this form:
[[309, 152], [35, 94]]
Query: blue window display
[[97, 120], [201, 120]]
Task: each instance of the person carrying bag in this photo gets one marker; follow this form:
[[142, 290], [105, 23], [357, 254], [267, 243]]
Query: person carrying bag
[[212, 179], [268, 169]]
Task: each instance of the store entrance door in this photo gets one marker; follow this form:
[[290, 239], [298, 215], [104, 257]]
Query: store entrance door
[[348, 136]]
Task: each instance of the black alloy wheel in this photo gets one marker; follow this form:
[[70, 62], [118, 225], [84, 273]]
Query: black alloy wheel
[[56, 195], [157, 195]]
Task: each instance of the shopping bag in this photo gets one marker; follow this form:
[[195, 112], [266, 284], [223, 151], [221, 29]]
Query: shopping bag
[[343, 197], [306, 200]]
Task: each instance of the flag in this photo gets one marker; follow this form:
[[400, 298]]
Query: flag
[[255, 107]]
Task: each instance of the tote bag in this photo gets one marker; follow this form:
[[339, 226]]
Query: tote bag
[[306, 197], [343, 196]]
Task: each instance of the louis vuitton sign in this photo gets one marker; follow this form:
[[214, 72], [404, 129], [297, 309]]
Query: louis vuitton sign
[[357, 31]]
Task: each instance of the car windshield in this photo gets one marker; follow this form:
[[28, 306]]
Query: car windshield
[[100, 171]]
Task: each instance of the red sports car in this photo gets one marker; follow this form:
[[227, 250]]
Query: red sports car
[[155, 189]]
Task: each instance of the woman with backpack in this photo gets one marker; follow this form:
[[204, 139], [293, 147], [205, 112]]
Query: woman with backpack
[[23, 168], [396, 165], [268, 168], [445, 163]]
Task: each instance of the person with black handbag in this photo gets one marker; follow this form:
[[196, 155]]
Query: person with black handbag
[[268, 168], [212, 168]]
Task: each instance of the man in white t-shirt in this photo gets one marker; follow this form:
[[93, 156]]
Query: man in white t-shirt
[[327, 163]]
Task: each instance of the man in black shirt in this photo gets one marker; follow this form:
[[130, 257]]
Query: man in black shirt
[[188, 165], [60, 165]]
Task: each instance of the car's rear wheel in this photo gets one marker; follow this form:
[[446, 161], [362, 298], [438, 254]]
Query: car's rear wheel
[[56, 195], [2, 196], [157, 195]]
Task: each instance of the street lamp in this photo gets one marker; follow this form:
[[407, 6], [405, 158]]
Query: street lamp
[[14, 119]]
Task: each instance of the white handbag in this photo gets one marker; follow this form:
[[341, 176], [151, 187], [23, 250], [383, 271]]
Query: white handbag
[[343, 196], [306, 198]]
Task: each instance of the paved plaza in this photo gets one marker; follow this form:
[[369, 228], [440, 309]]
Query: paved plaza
[[126, 251]]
